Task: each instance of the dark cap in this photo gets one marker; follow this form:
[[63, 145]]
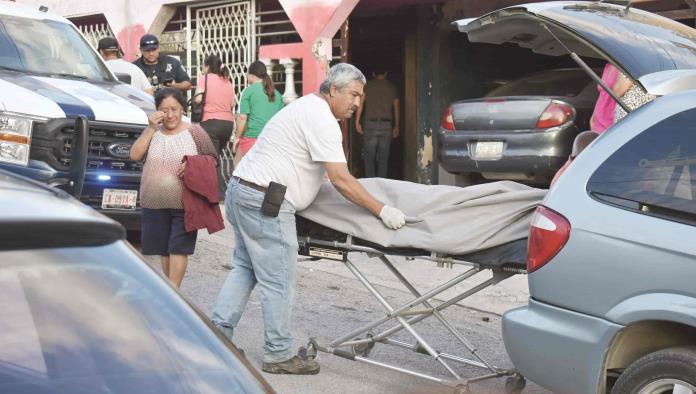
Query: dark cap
[[149, 42], [108, 44]]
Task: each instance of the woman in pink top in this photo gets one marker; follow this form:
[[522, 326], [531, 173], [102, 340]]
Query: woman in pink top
[[603, 115], [218, 120]]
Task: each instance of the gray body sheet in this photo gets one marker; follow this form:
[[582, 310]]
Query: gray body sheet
[[444, 219]]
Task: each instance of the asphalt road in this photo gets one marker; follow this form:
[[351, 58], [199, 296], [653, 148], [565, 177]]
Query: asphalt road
[[330, 302]]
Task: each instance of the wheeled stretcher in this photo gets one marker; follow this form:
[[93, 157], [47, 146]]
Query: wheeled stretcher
[[504, 261]]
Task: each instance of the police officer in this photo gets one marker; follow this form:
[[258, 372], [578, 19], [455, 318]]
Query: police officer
[[161, 70]]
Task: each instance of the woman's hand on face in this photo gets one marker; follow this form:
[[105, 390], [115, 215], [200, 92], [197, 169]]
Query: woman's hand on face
[[180, 171], [155, 119]]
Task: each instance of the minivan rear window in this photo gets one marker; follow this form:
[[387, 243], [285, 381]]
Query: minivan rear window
[[655, 172], [559, 83]]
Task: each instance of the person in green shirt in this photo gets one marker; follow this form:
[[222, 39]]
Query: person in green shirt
[[259, 102]]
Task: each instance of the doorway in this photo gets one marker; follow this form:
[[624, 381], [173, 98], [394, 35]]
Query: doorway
[[378, 41]]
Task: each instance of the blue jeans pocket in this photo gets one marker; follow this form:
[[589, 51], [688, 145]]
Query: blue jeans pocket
[[247, 211]]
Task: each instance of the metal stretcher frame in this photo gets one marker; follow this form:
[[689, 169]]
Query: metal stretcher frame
[[408, 314]]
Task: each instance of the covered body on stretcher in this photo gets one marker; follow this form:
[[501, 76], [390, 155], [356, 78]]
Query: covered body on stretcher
[[483, 226]]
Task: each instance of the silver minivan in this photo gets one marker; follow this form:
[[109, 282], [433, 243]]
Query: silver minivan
[[612, 248]]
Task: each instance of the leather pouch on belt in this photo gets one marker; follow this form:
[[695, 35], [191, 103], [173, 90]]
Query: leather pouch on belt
[[273, 199]]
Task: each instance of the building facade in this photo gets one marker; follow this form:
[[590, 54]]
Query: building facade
[[430, 62]]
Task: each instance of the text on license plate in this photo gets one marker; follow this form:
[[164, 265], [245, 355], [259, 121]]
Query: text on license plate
[[327, 253], [488, 150], [119, 199]]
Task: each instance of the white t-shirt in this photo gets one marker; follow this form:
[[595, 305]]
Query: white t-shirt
[[292, 150], [138, 78]]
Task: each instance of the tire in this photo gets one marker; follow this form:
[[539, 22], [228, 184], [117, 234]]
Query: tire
[[659, 372], [515, 384]]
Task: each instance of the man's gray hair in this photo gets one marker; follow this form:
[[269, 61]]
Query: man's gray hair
[[340, 76]]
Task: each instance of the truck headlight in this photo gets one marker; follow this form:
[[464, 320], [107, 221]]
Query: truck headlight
[[15, 139]]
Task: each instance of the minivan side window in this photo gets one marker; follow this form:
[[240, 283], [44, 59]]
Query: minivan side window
[[655, 172]]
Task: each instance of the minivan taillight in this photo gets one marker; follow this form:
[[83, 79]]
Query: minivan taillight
[[447, 120], [547, 236], [555, 114]]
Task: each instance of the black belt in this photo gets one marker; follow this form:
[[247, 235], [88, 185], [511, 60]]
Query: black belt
[[380, 120], [251, 185]]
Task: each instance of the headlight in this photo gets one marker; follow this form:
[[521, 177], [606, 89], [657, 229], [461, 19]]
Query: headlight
[[15, 139]]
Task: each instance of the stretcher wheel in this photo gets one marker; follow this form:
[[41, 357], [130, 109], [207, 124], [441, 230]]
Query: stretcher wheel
[[515, 384], [307, 353], [363, 349], [462, 389]]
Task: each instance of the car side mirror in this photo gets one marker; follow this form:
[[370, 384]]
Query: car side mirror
[[123, 77]]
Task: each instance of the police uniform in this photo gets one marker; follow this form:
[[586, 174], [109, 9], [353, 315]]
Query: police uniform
[[167, 68]]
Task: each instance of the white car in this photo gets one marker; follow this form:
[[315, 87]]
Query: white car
[[65, 120]]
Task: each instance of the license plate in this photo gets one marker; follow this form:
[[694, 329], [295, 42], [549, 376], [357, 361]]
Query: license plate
[[488, 150], [331, 254], [119, 199]]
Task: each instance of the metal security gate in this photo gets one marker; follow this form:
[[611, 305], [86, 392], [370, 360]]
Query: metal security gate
[[96, 32], [225, 29]]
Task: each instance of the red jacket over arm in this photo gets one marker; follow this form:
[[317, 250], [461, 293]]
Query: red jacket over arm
[[201, 203]]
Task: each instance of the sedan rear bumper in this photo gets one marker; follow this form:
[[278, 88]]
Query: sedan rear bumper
[[557, 348], [530, 154]]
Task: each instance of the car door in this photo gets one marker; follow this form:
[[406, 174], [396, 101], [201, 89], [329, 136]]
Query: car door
[[631, 254]]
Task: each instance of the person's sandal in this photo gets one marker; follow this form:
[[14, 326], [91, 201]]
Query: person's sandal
[[293, 366]]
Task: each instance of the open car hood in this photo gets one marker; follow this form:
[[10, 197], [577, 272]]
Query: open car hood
[[638, 42]]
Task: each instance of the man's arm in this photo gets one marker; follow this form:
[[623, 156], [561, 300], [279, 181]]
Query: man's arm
[[183, 85], [350, 188], [182, 81], [358, 115], [395, 129], [141, 81]]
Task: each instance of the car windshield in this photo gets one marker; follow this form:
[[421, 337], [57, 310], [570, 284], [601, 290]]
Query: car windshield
[[563, 83], [49, 48], [94, 320]]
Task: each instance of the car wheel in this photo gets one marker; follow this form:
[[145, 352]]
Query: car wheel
[[666, 371]]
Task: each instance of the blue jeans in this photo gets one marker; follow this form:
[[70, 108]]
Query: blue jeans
[[265, 253], [376, 144]]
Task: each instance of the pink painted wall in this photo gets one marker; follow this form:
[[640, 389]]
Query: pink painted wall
[[317, 21], [128, 19]]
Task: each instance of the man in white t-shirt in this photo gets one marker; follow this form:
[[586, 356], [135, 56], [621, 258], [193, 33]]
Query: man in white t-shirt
[[297, 147], [109, 50]]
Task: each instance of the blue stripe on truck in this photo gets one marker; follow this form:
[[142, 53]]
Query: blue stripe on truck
[[71, 105]]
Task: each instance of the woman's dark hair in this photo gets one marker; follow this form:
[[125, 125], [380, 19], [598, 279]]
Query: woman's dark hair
[[170, 92], [216, 66], [258, 69]]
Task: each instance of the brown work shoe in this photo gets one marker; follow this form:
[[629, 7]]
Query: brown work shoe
[[293, 366]]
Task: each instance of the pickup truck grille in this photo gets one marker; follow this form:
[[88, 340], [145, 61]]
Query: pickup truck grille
[[52, 142], [99, 156]]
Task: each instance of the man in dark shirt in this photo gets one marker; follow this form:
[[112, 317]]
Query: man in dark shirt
[[161, 70], [381, 108]]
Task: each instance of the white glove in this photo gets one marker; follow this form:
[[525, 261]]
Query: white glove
[[392, 217]]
